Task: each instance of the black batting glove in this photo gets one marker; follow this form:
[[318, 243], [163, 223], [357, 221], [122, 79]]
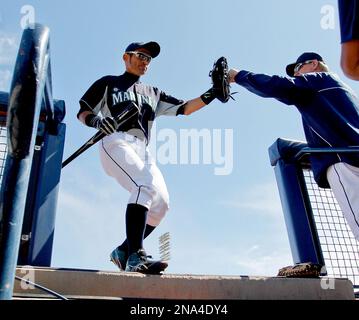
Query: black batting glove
[[107, 125]]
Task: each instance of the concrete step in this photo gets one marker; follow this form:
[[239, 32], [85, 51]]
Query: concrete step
[[94, 284]]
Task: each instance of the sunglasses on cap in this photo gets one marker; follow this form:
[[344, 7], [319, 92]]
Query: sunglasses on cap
[[140, 55], [298, 66]]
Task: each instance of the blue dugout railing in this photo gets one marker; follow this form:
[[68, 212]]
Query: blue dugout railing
[[290, 160], [35, 139]]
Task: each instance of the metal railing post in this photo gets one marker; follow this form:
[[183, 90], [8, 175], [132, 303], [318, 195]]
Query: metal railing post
[[25, 100]]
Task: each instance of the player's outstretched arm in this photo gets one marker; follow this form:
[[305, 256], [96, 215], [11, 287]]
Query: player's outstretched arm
[[198, 103], [194, 105]]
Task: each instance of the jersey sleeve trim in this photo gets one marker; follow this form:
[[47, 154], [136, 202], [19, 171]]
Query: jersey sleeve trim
[[168, 105]]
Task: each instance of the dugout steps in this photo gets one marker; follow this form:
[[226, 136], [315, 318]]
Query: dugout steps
[[111, 285]]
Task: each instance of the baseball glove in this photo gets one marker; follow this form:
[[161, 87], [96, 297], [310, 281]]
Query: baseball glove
[[220, 81], [301, 270]]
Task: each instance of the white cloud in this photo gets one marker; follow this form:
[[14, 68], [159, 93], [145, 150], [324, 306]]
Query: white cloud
[[5, 78], [259, 262], [90, 200], [8, 49], [89, 221], [261, 199]]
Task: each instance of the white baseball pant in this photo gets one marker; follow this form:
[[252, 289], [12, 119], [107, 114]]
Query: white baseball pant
[[127, 159], [343, 179]]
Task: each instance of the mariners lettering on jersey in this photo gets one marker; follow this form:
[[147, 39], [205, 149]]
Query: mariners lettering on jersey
[[109, 94], [121, 96]]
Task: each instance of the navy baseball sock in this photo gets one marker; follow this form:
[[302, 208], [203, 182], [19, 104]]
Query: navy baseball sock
[[136, 216], [148, 231]]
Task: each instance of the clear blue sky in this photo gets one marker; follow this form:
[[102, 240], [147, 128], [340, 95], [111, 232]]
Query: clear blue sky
[[219, 224]]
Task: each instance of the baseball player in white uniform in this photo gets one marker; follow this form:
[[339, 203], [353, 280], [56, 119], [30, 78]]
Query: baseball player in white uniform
[[124, 153]]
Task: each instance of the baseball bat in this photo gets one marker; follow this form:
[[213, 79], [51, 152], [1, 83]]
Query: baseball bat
[[99, 135]]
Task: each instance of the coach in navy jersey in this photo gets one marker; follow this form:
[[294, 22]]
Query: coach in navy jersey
[[124, 153], [330, 118]]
